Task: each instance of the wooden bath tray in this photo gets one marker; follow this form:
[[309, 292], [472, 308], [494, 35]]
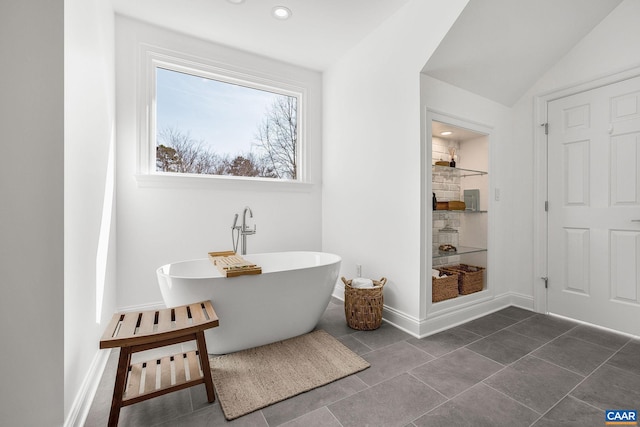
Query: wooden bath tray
[[231, 265]]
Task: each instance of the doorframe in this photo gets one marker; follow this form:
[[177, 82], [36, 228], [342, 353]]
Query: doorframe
[[540, 171]]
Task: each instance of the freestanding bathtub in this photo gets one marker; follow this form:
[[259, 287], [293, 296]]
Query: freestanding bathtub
[[286, 300]]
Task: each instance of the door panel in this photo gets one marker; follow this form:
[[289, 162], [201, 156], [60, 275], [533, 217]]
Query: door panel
[[594, 198], [576, 243]]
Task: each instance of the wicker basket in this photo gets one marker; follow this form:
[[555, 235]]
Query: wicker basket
[[444, 287], [363, 306], [470, 278]]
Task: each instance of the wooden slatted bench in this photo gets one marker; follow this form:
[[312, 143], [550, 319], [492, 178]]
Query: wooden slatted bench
[[138, 331]]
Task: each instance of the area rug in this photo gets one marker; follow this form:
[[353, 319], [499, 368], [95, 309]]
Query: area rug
[[258, 377]]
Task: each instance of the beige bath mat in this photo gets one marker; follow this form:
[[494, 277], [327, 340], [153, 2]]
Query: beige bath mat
[[252, 379]]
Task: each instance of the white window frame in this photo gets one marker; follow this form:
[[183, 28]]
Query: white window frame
[[151, 58]]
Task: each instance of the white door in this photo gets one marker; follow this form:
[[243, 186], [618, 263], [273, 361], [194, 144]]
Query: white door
[[594, 206]]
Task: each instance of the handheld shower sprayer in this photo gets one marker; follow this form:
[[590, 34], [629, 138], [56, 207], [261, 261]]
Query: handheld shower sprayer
[[235, 238]]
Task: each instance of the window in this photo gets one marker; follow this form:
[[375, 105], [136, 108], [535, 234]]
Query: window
[[204, 120]]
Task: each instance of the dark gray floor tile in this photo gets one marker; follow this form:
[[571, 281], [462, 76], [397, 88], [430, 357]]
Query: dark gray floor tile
[[213, 416], [395, 402], [543, 327], [610, 388], [599, 336], [628, 358], [391, 361], [481, 406], [516, 312], [571, 412], [455, 372], [301, 404], [397, 398], [101, 405], [319, 418], [353, 344], [157, 410], [488, 324], [383, 336], [574, 354], [535, 383], [445, 342], [199, 400], [505, 346], [334, 322]]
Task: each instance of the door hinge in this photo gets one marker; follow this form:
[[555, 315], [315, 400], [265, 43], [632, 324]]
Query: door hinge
[[546, 281], [546, 128], [546, 206]]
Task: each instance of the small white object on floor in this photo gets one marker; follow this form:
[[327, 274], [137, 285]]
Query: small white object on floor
[[361, 282]]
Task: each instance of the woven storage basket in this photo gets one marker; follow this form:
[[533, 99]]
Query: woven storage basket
[[444, 287], [470, 278], [363, 306]]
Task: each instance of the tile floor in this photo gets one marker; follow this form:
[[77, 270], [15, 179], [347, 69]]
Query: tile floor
[[510, 368]]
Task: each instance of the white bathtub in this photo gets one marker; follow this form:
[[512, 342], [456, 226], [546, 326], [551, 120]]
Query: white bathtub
[[286, 300]]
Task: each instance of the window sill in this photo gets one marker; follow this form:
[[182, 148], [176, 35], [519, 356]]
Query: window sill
[[219, 182]]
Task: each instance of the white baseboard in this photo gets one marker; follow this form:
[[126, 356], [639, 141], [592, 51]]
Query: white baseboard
[[143, 307], [523, 301], [82, 403], [451, 317]]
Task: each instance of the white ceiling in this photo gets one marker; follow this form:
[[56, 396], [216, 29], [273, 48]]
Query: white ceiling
[[457, 134], [496, 48], [318, 33], [499, 48]]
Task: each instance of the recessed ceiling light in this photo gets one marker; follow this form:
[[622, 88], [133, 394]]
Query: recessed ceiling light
[[281, 12], [446, 133], [235, 1]]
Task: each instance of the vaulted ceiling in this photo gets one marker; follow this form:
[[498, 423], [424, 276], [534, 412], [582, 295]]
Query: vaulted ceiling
[[317, 34], [496, 48], [499, 48]]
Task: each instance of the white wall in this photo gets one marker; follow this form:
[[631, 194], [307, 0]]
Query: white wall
[[162, 225], [31, 212], [89, 223], [371, 152], [510, 234], [611, 47]]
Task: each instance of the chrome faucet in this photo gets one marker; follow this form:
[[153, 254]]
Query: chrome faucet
[[245, 230]]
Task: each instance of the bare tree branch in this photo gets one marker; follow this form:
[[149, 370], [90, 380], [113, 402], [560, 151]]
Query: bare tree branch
[[277, 137]]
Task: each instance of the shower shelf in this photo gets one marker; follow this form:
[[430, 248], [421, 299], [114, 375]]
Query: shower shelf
[[462, 250]]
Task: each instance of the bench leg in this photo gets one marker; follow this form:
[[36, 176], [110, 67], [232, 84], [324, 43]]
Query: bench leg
[[119, 388], [206, 369]]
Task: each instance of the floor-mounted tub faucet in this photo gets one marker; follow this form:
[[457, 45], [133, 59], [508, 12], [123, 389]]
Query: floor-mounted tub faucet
[[245, 230]]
